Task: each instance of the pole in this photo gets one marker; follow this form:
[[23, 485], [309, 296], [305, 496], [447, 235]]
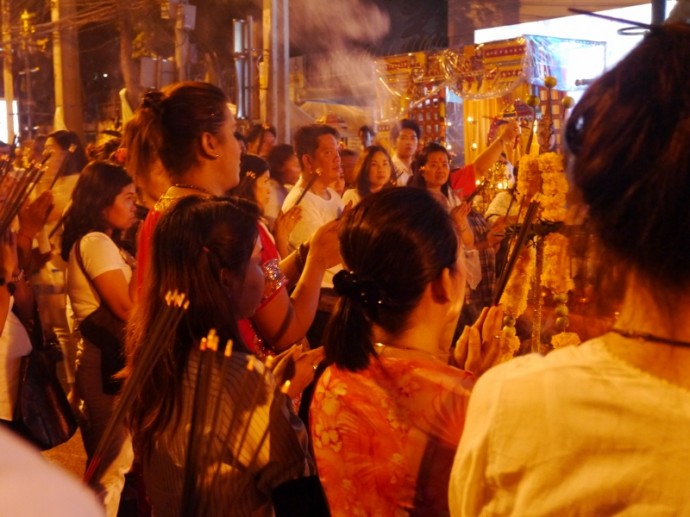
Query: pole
[[27, 30], [7, 78], [277, 50], [181, 43], [658, 11], [66, 69]]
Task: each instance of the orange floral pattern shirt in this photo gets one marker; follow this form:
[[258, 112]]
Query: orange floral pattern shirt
[[384, 438]]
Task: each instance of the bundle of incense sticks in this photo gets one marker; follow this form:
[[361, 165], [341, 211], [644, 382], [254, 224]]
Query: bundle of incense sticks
[[15, 188], [202, 467], [63, 166], [163, 327], [306, 188], [520, 241]]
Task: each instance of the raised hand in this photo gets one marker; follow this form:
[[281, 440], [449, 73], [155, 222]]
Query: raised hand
[[479, 346]]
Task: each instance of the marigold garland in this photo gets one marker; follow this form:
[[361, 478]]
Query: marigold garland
[[556, 272], [514, 298], [547, 172]]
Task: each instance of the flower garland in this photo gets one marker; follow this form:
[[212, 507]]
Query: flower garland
[[554, 187], [543, 177], [556, 273], [514, 300]]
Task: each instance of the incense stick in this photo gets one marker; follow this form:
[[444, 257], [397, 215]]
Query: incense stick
[[255, 454], [18, 191], [306, 188], [207, 455], [512, 260], [63, 165], [198, 485], [162, 330], [190, 490]]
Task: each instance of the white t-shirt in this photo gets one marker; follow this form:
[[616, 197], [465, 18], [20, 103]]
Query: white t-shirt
[[316, 211], [14, 344], [100, 255], [578, 432], [351, 195]]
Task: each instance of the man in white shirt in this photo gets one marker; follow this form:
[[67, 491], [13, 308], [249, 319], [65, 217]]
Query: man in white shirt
[[317, 149], [318, 152], [404, 137]]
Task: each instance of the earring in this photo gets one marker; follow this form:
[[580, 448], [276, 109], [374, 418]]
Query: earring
[[318, 172], [215, 156]]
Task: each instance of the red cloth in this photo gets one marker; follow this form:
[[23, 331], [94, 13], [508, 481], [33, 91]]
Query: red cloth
[[463, 181], [268, 252]]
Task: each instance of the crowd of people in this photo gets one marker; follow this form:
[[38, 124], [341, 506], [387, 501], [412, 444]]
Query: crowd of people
[[354, 313]]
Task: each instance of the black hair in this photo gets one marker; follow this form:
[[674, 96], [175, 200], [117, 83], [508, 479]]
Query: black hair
[[417, 179], [406, 123], [96, 189], [393, 244], [216, 234], [176, 117], [76, 159], [363, 182], [630, 140], [307, 138], [252, 167], [276, 158]]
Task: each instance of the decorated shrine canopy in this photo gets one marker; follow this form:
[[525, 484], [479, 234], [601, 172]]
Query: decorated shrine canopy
[[495, 69], [431, 87], [487, 70]]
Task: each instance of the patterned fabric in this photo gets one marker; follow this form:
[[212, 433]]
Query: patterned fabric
[[273, 448], [482, 295], [384, 437]]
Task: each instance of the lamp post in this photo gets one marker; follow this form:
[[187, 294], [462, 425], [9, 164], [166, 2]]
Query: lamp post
[[26, 32]]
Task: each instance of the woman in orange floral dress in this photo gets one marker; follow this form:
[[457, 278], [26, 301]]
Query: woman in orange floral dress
[[388, 411]]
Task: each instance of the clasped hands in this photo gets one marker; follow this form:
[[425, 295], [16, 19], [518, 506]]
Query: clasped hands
[[479, 345]]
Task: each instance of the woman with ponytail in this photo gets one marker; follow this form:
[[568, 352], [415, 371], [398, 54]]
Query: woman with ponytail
[[388, 411]]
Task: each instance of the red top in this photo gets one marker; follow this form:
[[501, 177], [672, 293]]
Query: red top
[[275, 280], [463, 181]]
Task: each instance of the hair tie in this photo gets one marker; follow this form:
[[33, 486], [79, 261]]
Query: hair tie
[[205, 249], [363, 291], [153, 100]]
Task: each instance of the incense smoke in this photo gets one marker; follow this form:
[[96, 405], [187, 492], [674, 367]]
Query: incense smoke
[[340, 32]]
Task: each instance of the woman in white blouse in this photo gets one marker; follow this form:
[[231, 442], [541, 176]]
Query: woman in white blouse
[[602, 428], [99, 272]]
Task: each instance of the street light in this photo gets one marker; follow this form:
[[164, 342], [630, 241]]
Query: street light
[[26, 31]]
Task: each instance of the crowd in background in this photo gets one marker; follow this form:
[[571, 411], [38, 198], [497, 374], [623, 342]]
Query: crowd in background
[[365, 276]]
